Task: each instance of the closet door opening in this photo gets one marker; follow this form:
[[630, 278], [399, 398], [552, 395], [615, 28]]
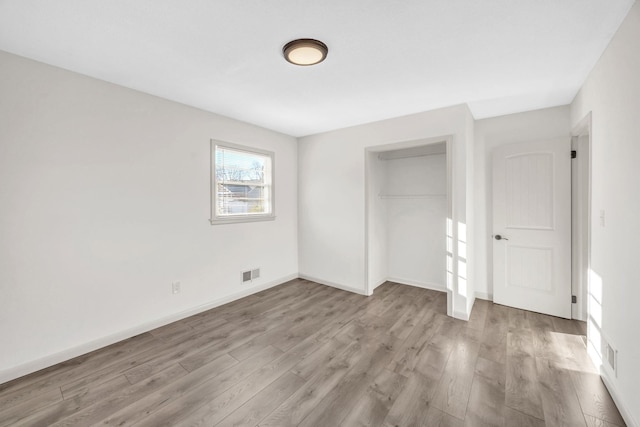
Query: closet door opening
[[408, 204]]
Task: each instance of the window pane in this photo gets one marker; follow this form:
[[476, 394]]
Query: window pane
[[242, 182]]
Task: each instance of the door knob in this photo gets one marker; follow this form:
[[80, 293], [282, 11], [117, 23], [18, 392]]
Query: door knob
[[499, 237]]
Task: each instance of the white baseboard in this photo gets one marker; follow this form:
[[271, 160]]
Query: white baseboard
[[333, 285], [484, 296], [379, 283], [623, 407], [461, 315], [53, 359], [424, 285]]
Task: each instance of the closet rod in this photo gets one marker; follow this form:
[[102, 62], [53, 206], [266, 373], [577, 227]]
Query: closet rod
[[412, 196], [381, 157]]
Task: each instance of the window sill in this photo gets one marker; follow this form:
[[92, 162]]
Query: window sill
[[236, 220]]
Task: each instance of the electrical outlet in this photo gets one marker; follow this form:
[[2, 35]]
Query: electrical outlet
[[175, 287]]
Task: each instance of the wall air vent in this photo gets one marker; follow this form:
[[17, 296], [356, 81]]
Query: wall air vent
[[246, 276], [609, 356], [250, 275]]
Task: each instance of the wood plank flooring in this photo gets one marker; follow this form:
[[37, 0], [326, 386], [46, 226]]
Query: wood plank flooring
[[303, 354]]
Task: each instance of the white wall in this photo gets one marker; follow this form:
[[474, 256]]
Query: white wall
[[332, 194], [467, 237], [378, 265], [543, 124], [105, 202], [416, 226], [612, 94]]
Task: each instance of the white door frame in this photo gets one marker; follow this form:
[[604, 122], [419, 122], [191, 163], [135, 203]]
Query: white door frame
[[451, 238], [581, 213]]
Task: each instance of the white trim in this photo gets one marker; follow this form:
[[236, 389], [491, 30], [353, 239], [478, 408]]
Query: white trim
[[53, 359], [617, 399], [236, 219], [334, 285], [367, 201], [462, 315], [485, 296], [418, 284], [451, 209], [579, 311], [381, 282]]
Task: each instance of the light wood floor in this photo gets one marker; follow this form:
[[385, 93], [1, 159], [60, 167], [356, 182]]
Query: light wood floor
[[305, 354]]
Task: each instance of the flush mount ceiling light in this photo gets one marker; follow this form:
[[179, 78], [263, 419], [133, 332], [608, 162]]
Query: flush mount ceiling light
[[305, 51]]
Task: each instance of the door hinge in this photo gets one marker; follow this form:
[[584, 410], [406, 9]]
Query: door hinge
[[574, 154], [574, 299]]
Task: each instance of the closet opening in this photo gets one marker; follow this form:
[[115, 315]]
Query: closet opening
[[408, 237]]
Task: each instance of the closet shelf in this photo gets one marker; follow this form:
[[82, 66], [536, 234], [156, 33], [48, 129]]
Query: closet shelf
[[412, 196]]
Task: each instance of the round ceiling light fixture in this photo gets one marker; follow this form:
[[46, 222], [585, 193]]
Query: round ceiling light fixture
[[305, 51]]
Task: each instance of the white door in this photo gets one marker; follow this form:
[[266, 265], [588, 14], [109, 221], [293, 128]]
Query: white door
[[532, 226]]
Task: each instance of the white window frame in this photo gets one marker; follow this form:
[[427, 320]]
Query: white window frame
[[242, 217]]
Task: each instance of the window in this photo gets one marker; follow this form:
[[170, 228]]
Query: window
[[241, 183]]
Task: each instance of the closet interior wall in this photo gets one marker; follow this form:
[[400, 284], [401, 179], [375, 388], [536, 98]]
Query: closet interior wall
[[411, 211]]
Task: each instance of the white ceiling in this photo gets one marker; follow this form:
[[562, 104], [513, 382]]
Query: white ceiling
[[387, 58]]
